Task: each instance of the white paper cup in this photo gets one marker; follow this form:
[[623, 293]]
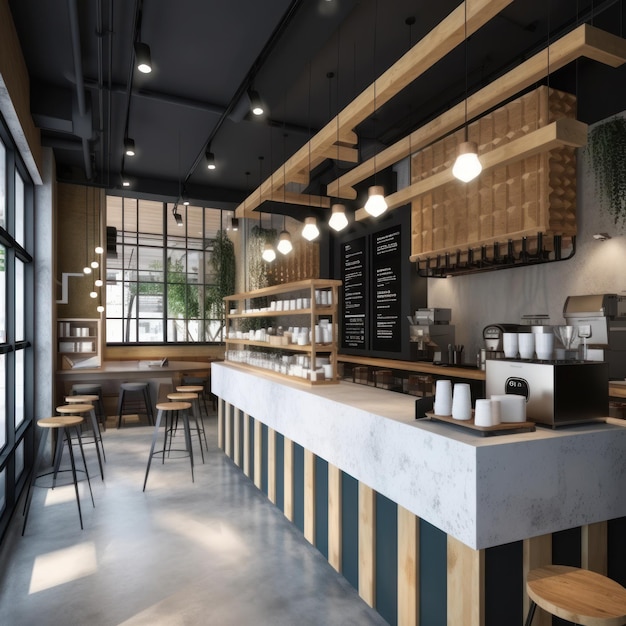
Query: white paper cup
[[483, 413], [512, 408], [443, 397], [526, 345], [462, 402], [328, 371], [510, 345], [544, 345], [496, 412]]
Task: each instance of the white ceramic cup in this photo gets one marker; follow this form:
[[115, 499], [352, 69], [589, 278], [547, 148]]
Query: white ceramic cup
[[544, 345], [510, 345], [443, 397], [462, 402], [526, 345], [328, 371], [496, 412], [512, 407], [483, 413]]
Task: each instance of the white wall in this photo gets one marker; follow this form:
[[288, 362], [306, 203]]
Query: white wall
[[504, 296]]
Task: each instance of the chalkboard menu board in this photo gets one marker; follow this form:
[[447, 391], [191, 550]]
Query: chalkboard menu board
[[387, 289], [355, 301]]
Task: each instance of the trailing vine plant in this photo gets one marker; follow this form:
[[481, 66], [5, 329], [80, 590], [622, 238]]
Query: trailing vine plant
[[222, 264], [606, 147]]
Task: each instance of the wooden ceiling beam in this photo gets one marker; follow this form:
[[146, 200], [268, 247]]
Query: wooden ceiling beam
[[562, 132], [585, 40], [441, 40]]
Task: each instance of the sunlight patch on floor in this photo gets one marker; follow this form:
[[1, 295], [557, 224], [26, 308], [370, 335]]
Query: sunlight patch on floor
[[60, 495], [63, 566]]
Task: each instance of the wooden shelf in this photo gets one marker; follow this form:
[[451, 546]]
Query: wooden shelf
[[304, 289]]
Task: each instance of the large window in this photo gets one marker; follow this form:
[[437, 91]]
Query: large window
[[16, 327], [161, 273]]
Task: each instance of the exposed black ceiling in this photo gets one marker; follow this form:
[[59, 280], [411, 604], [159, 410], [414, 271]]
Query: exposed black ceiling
[[307, 58]]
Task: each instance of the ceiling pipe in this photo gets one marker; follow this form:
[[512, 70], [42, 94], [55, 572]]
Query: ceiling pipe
[[80, 85]]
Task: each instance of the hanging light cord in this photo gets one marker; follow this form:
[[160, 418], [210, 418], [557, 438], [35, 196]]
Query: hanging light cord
[[466, 67]]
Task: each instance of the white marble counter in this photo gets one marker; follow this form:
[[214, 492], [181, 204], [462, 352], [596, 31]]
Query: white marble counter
[[484, 491]]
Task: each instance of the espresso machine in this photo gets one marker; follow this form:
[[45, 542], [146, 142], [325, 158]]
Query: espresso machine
[[430, 334], [599, 321]]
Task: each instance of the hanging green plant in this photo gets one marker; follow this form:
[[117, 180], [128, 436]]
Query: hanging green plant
[[606, 147], [222, 263]]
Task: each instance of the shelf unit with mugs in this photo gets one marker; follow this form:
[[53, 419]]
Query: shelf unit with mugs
[[78, 342], [289, 330]]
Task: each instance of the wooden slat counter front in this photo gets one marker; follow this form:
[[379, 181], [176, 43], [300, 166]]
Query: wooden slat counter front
[[111, 373]]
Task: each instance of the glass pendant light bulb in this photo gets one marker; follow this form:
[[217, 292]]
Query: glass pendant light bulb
[[376, 204], [98, 283], [284, 244], [467, 165], [100, 308], [338, 220], [93, 294], [269, 254], [86, 269], [310, 230], [95, 265], [99, 250]]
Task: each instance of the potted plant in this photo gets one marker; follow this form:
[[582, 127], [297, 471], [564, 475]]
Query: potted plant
[[606, 147]]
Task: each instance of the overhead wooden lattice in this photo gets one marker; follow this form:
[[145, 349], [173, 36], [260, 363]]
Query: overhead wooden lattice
[[507, 202]]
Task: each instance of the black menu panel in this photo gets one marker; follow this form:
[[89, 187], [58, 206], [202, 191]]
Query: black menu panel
[[387, 289], [355, 300]]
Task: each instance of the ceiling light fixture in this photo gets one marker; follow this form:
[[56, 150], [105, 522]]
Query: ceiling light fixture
[[95, 265], [100, 308], [177, 216], [284, 245], [234, 223], [467, 165], [129, 146], [256, 104], [98, 282], [210, 160], [376, 204], [338, 220], [269, 254], [93, 294], [143, 58], [310, 230]]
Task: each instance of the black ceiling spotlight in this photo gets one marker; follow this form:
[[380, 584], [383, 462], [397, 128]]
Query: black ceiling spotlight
[[256, 104], [129, 146], [210, 160], [234, 223], [142, 57], [177, 216]]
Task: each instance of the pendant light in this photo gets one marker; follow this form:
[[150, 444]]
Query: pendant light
[[467, 165], [269, 254], [338, 220], [376, 204], [310, 230], [87, 268], [99, 249], [284, 245]]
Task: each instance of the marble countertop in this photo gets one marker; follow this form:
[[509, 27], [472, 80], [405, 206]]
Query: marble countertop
[[484, 491]]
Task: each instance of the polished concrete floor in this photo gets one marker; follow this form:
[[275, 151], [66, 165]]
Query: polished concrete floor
[[210, 552]]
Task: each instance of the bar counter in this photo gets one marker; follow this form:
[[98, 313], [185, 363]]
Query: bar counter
[[500, 502]]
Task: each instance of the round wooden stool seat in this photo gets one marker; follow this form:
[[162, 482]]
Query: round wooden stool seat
[[71, 409], [182, 396], [577, 595], [60, 422], [190, 388], [173, 406], [85, 399]]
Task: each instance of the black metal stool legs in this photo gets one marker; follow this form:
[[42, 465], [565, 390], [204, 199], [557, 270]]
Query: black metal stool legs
[[531, 613]]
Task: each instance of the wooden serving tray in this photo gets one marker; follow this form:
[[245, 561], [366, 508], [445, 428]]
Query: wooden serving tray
[[506, 428]]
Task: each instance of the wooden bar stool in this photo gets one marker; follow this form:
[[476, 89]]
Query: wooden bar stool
[[577, 595], [197, 381], [198, 390], [63, 424], [170, 409], [81, 389], [89, 399], [141, 387], [84, 409]]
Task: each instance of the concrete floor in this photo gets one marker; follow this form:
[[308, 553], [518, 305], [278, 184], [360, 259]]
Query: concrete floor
[[211, 552]]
